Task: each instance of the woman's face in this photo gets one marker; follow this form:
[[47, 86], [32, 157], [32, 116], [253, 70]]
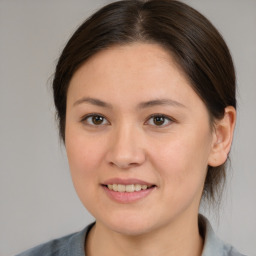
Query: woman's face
[[133, 120]]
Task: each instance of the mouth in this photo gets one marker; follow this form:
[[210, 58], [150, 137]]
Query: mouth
[[129, 188]]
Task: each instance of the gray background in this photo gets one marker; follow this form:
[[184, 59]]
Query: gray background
[[37, 198]]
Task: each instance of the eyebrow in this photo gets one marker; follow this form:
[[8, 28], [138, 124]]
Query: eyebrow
[[146, 104], [160, 102], [93, 101]]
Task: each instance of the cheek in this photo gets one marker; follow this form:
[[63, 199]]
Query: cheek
[[182, 160], [85, 155]]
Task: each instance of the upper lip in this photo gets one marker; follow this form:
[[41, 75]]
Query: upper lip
[[126, 182]]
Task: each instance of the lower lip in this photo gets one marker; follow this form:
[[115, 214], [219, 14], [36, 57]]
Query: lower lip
[[127, 197]]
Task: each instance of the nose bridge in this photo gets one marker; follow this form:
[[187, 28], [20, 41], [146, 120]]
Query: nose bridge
[[126, 148]]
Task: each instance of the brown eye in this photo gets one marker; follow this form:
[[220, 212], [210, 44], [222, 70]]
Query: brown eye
[[95, 120], [159, 120]]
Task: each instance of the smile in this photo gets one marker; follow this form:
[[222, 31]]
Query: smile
[[130, 188], [128, 193]]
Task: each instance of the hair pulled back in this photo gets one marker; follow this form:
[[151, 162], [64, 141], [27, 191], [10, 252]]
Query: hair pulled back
[[188, 36]]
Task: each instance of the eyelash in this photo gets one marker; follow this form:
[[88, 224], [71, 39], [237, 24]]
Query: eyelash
[[164, 117], [86, 118]]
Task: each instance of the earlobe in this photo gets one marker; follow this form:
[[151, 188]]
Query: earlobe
[[223, 136]]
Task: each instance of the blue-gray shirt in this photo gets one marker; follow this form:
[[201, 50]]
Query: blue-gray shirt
[[73, 245]]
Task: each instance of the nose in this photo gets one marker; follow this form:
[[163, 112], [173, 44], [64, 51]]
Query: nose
[[126, 148]]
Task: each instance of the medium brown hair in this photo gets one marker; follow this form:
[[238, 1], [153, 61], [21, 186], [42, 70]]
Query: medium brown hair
[[188, 36]]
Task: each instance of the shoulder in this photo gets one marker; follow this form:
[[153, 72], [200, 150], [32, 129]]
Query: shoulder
[[212, 244], [70, 245]]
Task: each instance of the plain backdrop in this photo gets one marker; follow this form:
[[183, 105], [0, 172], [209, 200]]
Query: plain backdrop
[[37, 198]]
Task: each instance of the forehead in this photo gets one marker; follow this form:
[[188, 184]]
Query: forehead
[[137, 54], [139, 69]]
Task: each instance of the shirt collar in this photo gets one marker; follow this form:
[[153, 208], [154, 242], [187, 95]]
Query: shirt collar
[[212, 244]]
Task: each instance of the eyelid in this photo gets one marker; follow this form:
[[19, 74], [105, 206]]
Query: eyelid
[[85, 117], [170, 119]]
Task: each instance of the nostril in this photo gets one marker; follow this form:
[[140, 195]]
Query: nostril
[[124, 165], [125, 154]]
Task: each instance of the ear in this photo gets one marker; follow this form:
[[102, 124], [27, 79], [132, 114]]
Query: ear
[[222, 137]]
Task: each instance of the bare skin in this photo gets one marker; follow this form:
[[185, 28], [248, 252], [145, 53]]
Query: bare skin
[[132, 114]]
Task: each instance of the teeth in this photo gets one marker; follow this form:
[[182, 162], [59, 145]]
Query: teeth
[[120, 188], [114, 187], [127, 188], [137, 187], [144, 187]]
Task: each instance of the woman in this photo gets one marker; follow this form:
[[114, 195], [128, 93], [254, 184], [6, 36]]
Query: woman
[[145, 98]]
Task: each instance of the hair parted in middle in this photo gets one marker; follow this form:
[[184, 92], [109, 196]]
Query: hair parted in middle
[[191, 40]]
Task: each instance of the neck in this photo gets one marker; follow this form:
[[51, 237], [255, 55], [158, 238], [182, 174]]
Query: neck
[[178, 238]]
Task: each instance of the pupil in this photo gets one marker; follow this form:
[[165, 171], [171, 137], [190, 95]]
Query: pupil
[[158, 120], [97, 119]]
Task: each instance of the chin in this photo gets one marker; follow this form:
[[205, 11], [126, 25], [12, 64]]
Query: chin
[[130, 226], [131, 230]]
